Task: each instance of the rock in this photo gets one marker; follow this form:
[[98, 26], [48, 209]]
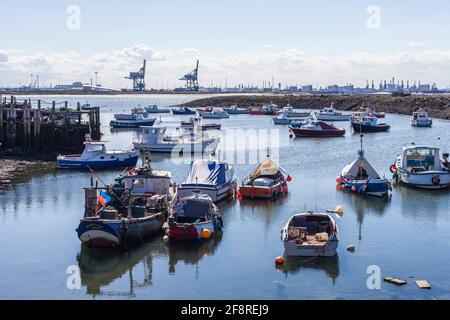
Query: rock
[[351, 248], [395, 281], [423, 284]]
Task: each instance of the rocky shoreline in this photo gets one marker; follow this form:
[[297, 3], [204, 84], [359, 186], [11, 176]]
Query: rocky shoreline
[[437, 106]]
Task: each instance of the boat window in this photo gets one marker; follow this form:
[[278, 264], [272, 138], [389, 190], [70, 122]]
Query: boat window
[[102, 157], [420, 159], [138, 183], [94, 147], [112, 157]]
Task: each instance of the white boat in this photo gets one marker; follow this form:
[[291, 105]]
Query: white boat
[[211, 177], [310, 235], [421, 166], [421, 119], [234, 109], [156, 140], [136, 121], [290, 112], [95, 155], [282, 118], [214, 114], [330, 114], [153, 108]]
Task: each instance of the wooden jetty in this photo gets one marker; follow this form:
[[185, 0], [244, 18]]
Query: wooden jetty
[[31, 127]]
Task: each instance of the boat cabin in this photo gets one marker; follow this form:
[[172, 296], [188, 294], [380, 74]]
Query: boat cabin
[[147, 181], [417, 159], [420, 115], [196, 208], [91, 147]]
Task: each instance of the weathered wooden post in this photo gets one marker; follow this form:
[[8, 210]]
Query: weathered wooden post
[[11, 127], [2, 141], [37, 127], [79, 113], [52, 118]]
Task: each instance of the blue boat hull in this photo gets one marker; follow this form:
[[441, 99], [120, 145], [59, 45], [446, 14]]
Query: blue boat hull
[[131, 124], [117, 233], [177, 112], [374, 187], [116, 163]]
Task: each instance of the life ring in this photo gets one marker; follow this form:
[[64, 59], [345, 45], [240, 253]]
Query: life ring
[[436, 180], [393, 168]]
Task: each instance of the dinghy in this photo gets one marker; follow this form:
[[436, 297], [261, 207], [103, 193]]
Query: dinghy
[[193, 218], [128, 211], [267, 181], [421, 167], [360, 177], [310, 234], [95, 155], [211, 177]]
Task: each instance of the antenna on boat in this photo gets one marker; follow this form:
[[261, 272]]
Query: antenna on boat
[[268, 152], [361, 151]]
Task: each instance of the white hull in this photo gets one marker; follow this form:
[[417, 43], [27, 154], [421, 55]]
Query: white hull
[[325, 117], [328, 250], [425, 180], [281, 121], [196, 147]]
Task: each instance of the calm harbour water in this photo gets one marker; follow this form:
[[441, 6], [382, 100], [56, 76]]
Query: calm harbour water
[[407, 236]]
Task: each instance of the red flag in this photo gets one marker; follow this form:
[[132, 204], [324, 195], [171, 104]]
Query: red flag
[[289, 178]]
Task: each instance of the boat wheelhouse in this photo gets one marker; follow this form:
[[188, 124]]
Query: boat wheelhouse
[[330, 114], [310, 234], [153, 108], [421, 166]]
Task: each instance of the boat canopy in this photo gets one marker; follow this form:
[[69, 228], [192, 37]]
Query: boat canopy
[[265, 168], [360, 169], [209, 172], [195, 206]]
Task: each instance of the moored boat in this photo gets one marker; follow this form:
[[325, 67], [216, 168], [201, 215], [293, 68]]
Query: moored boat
[[156, 140], [214, 114], [360, 177], [420, 119], [310, 234], [368, 124], [292, 113], [421, 167], [234, 109], [266, 109], [267, 181], [211, 177], [316, 129], [282, 118], [193, 218], [183, 110], [135, 122], [153, 108], [95, 155], [128, 211], [330, 114]]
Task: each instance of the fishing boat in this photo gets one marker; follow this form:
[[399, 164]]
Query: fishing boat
[[211, 177], [360, 177], [156, 140], [183, 110], [282, 118], [330, 114], [194, 217], [207, 109], [267, 109], [214, 114], [191, 121], [310, 234], [95, 155], [153, 108], [128, 211], [368, 124], [267, 181], [421, 166], [234, 109], [420, 119], [291, 113], [137, 121], [199, 126], [317, 129], [87, 107]]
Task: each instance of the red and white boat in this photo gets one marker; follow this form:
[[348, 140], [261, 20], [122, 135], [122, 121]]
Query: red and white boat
[[318, 129], [267, 109]]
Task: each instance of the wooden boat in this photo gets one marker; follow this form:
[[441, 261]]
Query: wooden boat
[[193, 218], [183, 110], [368, 124], [153, 108], [211, 177], [421, 119], [360, 177], [330, 114], [267, 109], [133, 208], [310, 234], [95, 155], [235, 110], [267, 181], [421, 167], [155, 139], [317, 129]]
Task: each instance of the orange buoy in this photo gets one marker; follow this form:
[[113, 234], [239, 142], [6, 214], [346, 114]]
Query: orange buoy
[[206, 233], [279, 261]]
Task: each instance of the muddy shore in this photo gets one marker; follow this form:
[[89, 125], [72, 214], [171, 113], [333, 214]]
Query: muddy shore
[[437, 106]]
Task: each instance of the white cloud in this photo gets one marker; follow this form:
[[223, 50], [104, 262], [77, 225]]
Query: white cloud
[[416, 44], [289, 66], [190, 51]]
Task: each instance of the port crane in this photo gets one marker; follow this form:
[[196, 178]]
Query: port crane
[[138, 78], [191, 79]]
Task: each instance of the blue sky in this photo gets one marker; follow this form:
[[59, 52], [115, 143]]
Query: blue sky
[[288, 38]]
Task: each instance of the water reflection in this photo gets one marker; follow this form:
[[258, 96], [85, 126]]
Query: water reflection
[[191, 253], [294, 265]]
